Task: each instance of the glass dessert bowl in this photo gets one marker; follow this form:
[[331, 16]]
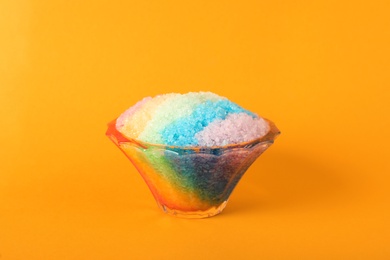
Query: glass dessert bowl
[[191, 182]]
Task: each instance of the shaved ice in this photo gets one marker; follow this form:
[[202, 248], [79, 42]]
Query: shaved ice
[[193, 119]]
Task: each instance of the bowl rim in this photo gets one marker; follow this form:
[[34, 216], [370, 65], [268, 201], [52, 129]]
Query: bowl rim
[[118, 138]]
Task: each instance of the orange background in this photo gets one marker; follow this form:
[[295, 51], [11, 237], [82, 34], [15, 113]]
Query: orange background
[[318, 69]]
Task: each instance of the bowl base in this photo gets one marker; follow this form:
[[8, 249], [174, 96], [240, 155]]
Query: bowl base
[[194, 214]]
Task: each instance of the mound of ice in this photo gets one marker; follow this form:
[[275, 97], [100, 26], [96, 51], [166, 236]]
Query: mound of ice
[[192, 119]]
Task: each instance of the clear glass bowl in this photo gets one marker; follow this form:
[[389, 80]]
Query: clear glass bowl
[[191, 182]]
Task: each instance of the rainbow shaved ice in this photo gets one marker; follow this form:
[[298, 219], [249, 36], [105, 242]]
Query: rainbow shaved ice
[[191, 149], [192, 119]]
